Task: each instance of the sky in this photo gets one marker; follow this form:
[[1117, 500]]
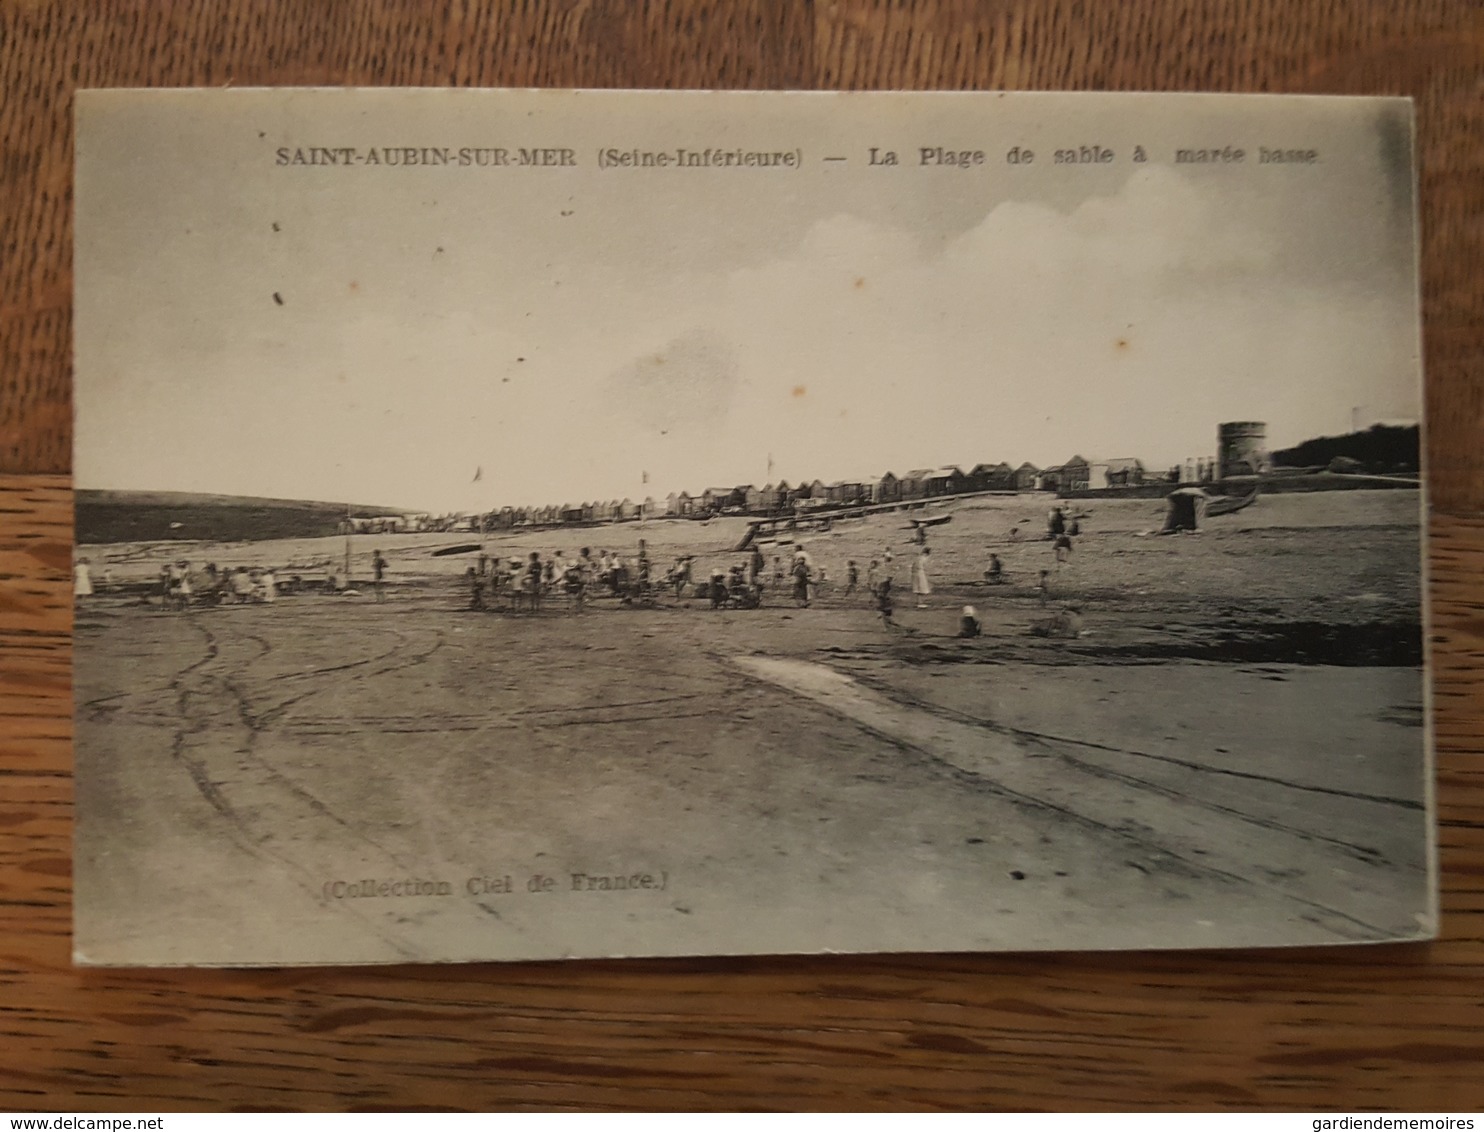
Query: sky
[[457, 338]]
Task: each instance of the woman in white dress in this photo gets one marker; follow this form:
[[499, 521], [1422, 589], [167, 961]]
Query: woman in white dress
[[922, 585], [82, 579]]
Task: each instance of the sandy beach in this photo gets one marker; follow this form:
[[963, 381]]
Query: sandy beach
[[1229, 754]]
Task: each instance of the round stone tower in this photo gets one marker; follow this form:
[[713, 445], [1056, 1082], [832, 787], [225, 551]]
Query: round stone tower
[[1243, 448]]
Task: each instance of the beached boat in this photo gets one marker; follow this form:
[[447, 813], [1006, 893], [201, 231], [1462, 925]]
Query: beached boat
[[1230, 504]]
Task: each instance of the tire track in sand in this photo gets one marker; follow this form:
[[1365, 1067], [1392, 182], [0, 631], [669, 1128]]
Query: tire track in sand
[[217, 743]]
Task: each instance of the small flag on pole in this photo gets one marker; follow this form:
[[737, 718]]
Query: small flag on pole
[[479, 473]]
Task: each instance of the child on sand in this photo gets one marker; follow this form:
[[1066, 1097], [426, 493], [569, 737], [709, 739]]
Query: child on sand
[[884, 602], [968, 623], [1043, 587]]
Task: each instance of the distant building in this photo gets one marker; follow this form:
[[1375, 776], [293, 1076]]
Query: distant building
[[846, 492], [1125, 472], [715, 498], [991, 477], [945, 481], [1074, 475], [888, 489], [913, 484], [1027, 477], [1242, 449]]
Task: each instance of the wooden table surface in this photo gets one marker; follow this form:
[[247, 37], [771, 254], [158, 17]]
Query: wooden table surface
[[1336, 1029]]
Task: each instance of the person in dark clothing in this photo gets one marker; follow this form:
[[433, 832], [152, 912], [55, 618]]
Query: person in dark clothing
[[968, 623], [884, 604], [801, 581], [378, 573], [534, 581]]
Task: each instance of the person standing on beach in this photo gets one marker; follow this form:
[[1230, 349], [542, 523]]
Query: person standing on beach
[[1043, 587], [871, 576], [82, 579], [242, 586], [533, 582], [378, 574], [183, 585], [801, 579], [922, 583], [852, 576]]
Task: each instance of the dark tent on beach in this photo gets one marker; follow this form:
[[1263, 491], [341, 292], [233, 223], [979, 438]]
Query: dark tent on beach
[[1186, 507]]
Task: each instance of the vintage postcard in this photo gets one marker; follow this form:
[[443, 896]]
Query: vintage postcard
[[541, 524]]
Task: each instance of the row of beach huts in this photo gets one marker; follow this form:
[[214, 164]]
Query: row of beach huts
[[783, 498]]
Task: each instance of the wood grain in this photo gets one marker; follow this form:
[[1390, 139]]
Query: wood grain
[[1333, 1029]]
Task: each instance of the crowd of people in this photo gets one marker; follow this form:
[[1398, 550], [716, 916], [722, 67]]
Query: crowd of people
[[792, 573], [527, 583]]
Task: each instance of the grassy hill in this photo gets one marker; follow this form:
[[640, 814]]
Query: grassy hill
[[139, 516]]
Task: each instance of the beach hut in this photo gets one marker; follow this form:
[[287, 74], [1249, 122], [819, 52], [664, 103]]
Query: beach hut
[[1125, 471], [1185, 508], [913, 485], [1075, 474], [945, 481], [1027, 477]]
